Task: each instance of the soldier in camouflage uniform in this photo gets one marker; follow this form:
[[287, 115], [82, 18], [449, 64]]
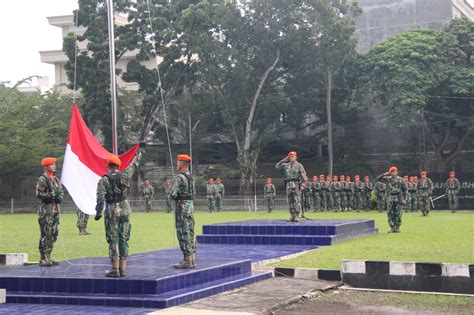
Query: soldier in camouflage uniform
[[380, 190], [343, 193], [211, 192], [220, 194], [166, 186], [50, 194], [412, 196], [349, 193], [359, 194], [112, 193], [323, 193], [307, 195], [316, 193], [182, 191], [336, 189], [330, 193], [453, 187], [417, 200], [406, 206], [81, 223], [269, 193], [424, 189], [368, 187], [396, 198], [147, 192], [294, 173]]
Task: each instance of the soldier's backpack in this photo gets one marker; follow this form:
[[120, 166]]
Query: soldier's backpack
[[117, 189]]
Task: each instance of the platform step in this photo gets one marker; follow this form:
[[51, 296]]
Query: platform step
[[286, 239], [164, 300]]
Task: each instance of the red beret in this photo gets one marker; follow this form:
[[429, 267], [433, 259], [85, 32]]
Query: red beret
[[392, 169], [184, 157], [292, 153], [115, 160], [48, 161]]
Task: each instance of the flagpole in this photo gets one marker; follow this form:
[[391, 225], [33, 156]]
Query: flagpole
[[113, 87]]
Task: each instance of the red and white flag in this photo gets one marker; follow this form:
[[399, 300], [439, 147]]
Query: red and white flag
[[85, 162]]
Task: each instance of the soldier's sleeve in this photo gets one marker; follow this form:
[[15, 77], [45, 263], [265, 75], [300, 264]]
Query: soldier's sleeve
[[431, 186], [381, 178], [303, 172], [174, 189], [274, 189], [101, 190], [128, 173], [42, 189], [152, 190], [279, 166], [458, 186], [404, 189]]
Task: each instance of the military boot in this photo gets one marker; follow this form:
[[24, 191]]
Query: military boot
[[297, 217], [186, 263], [392, 229], [122, 265], [114, 271], [44, 262], [48, 257], [397, 228], [81, 231], [292, 218]]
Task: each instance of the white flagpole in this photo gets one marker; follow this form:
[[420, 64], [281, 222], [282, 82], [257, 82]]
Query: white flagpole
[[113, 87]]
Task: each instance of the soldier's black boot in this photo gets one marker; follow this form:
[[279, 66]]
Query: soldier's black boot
[[186, 263], [292, 218], [297, 217], [114, 271], [44, 262], [122, 265], [48, 257], [392, 229]]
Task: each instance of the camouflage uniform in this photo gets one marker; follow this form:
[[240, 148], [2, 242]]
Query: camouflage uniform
[[380, 190], [325, 193], [425, 189], [350, 195], [211, 191], [219, 196], [269, 193], [316, 195], [336, 188], [148, 192], [307, 196], [359, 195], [117, 214], [396, 189], [167, 190], [368, 187], [412, 197], [453, 187], [344, 201], [82, 220], [182, 191], [294, 173], [50, 193]]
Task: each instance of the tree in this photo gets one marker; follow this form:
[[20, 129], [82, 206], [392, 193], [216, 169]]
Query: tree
[[428, 75]]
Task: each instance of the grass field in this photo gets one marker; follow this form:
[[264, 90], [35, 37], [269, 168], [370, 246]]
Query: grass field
[[440, 237]]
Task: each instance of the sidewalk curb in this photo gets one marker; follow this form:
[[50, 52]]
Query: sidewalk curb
[[308, 273]]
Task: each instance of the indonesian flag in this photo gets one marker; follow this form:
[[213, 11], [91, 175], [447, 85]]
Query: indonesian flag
[[85, 162]]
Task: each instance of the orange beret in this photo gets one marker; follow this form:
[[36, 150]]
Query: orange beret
[[322, 175], [366, 177], [184, 157], [292, 153], [392, 169], [48, 161], [115, 160], [452, 172]]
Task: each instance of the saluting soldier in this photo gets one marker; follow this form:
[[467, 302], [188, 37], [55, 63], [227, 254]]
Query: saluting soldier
[[50, 193], [453, 187], [269, 193], [425, 190]]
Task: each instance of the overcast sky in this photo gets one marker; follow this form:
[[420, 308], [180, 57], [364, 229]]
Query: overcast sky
[[24, 32]]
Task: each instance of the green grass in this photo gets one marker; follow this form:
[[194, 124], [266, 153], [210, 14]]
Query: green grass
[[441, 237]]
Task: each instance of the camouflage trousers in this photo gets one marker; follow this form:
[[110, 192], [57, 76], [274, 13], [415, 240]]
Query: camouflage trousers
[[82, 219], [270, 202], [424, 204], [117, 233], [394, 211], [218, 202], [148, 203], [344, 201], [184, 222], [49, 230], [317, 201], [350, 201], [367, 201], [307, 202], [359, 202], [211, 203], [324, 201], [453, 201], [168, 203], [294, 200], [412, 201], [336, 200], [330, 200], [380, 202]]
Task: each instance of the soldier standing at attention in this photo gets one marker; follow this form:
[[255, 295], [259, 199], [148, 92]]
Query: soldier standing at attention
[[147, 192], [336, 189], [415, 181], [407, 184], [330, 193], [182, 191], [324, 193], [220, 194], [368, 187], [349, 193], [453, 187], [112, 193], [396, 188], [269, 193], [425, 190], [316, 194], [82, 220], [211, 192], [343, 193], [50, 193], [307, 194], [358, 193], [380, 189], [294, 173], [166, 186], [412, 198]]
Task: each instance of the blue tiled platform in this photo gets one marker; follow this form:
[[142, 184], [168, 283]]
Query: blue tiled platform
[[280, 232]]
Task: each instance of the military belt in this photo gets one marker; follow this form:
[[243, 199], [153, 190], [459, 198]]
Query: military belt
[[184, 197]]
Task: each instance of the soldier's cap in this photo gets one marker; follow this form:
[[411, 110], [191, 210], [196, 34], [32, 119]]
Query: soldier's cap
[[315, 177], [406, 176], [452, 173], [341, 176], [146, 181], [366, 176], [357, 176], [415, 177], [48, 161], [393, 169], [184, 157], [322, 175], [114, 160], [292, 153]]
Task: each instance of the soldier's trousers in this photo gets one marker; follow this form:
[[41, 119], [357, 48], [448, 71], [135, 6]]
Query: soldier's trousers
[[359, 202], [307, 203], [453, 201], [317, 201], [148, 203], [184, 222], [330, 201], [336, 200], [211, 203], [344, 201], [117, 233], [168, 203], [424, 202], [367, 202], [394, 211], [82, 220], [49, 230], [294, 200], [324, 201], [413, 203], [380, 203], [270, 202], [218, 202], [350, 201]]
